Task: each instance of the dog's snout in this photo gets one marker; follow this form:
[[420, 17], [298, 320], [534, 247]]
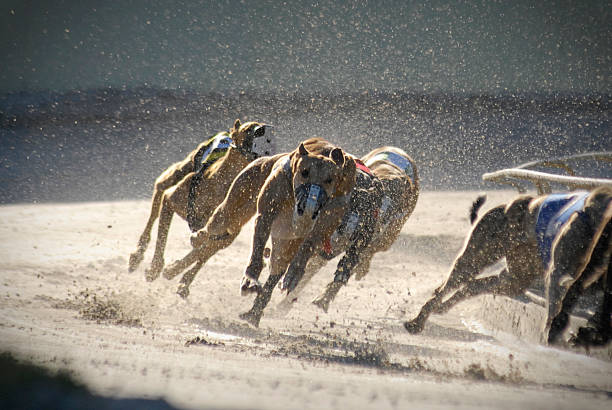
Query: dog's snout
[[310, 198], [260, 132]]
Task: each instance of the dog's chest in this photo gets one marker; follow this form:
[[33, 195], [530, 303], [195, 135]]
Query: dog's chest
[[283, 227], [356, 215]]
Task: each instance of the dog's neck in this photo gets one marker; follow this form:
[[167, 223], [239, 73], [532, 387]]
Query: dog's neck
[[249, 155]]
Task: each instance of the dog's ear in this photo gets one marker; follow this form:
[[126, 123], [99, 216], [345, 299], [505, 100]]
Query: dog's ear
[[237, 125], [337, 156], [302, 149], [349, 171]]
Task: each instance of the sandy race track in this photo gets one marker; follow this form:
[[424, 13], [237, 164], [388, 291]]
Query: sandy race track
[[68, 303]]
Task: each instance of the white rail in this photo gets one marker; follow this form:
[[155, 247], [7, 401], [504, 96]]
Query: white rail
[[542, 180]]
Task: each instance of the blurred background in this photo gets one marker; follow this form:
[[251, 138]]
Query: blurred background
[[97, 98]]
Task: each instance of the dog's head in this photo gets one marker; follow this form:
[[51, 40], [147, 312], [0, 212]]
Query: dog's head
[[253, 137], [318, 177]]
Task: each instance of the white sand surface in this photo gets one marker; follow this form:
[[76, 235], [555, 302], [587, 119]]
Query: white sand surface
[[67, 302]]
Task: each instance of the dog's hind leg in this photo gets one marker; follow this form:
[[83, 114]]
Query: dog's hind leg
[[179, 266], [137, 256], [486, 244], [165, 218], [473, 288], [188, 277], [204, 253], [580, 253]]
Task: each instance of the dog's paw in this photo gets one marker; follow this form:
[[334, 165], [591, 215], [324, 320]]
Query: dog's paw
[[331, 290], [183, 290], [151, 274], [291, 279], [414, 326], [249, 285], [588, 336], [251, 317], [322, 302], [135, 259]]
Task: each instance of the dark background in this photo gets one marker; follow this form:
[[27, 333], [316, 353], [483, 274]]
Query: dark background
[[97, 98]]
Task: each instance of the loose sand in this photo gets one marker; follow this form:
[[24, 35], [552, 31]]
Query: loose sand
[[68, 303]]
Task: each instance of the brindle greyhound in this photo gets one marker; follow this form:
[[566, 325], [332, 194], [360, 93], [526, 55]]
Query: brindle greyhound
[[193, 187], [564, 238], [372, 223]]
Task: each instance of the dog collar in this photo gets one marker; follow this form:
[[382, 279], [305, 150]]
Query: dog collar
[[363, 167]]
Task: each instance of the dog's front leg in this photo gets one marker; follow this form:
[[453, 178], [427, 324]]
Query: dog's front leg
[[312, 267], [359, 245], [282, 253], [263, 226], [179, 266], [327, 222], [274, 198]]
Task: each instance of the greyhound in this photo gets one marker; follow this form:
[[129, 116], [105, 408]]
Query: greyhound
[[563, 238], [193, 187]]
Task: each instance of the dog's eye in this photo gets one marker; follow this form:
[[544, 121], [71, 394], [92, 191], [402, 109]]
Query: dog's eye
[[305, 173], [328, 181]]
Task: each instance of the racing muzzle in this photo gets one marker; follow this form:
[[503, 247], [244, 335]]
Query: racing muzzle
[[309, 199], [263, 141]]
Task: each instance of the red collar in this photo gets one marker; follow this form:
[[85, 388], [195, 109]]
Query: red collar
[[360, 165]]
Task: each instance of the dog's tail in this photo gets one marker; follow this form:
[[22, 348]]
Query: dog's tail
[[476, 205]]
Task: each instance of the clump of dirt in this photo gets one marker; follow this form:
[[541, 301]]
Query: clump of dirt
[[103, 309], [342, 351], [371, 355], [201, 341], [476, 372]]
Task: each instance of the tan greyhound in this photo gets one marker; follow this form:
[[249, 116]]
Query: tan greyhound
[[299, 206], [193, 187]]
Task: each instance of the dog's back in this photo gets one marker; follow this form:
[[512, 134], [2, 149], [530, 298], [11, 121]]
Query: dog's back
[[384, 196], [400, 179]]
